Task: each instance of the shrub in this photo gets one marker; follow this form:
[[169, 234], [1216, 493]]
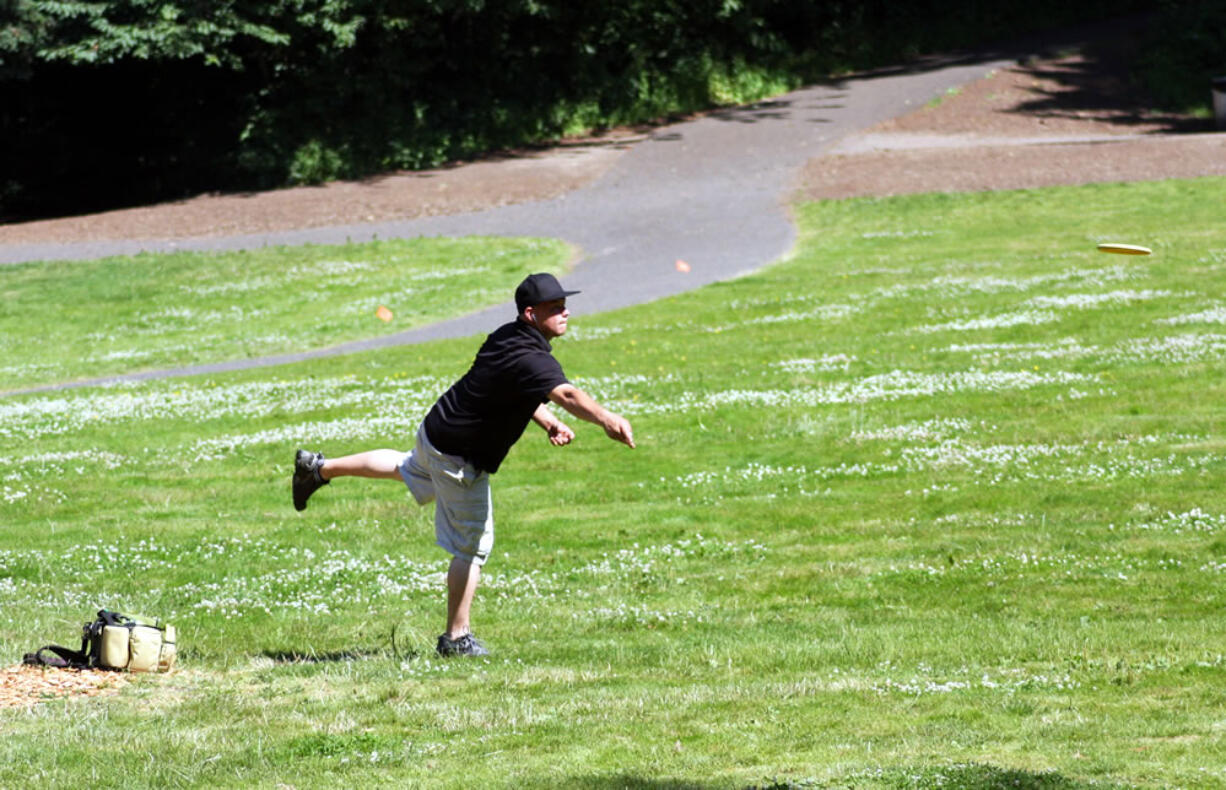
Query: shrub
[[314, 163], [1186, 50]]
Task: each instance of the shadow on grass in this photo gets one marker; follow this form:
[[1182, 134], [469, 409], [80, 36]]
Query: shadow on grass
[[622, 782], [955, 777], [973, 776], [312, 657], [987, 777], [400, 647]]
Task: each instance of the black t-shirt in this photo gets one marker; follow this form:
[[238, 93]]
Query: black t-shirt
[[486, 411]]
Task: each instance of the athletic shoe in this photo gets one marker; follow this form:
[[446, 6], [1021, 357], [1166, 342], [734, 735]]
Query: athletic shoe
[[306, 476], [467, 645]]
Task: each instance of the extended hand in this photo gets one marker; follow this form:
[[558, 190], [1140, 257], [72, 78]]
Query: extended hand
[[580, 404], [560, 434], [618, 428]]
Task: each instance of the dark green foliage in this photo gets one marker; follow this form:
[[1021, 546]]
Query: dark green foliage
[[110, 32], [104, 103], [1187, 50], [90, 137]]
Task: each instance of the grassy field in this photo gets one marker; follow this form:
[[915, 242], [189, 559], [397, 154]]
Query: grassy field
[[65, 321], [937, 502]]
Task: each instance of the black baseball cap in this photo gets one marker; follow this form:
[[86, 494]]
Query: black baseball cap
[[537, 288]]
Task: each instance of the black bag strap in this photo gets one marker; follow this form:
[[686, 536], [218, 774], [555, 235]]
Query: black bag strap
[[62, 657], [66, 657]]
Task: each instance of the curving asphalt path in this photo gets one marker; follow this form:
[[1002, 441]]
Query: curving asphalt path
[[712, 192]]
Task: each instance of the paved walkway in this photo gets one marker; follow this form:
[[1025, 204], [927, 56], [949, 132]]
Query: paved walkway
[[712, 192]]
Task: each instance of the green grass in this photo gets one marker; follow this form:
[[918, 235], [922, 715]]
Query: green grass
[[936, 502], [935, 101], [66, 321]]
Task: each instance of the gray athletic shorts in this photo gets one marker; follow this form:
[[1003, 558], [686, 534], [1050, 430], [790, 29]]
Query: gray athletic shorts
[[463, 509]]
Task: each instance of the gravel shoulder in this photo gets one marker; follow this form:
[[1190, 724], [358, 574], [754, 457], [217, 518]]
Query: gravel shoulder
[[499, 180]]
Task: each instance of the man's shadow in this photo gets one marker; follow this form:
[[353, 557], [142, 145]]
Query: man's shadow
[[311, 657], [401, 647]]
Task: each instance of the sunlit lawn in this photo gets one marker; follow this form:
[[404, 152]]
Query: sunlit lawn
[[64, 321], [936, 502]]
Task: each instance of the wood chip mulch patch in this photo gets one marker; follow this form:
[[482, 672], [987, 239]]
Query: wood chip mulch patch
[[23, 686]]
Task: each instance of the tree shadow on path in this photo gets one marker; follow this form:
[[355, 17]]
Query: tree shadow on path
[[1084, 73]]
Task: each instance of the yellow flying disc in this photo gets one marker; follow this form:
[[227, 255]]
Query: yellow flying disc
[[1124, 249]]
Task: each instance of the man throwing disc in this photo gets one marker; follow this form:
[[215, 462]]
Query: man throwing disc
[[466, 435]]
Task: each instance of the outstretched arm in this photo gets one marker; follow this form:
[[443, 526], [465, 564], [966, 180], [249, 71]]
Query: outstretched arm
[[559, 432], [580, 404]]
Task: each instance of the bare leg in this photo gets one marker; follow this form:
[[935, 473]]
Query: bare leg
[[462, 578], [383, 464]]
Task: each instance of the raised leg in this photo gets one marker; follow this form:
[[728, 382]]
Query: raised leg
[[382, 464]]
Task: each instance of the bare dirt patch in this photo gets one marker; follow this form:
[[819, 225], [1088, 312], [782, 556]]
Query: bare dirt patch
[[24, 685], [976, 167]]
